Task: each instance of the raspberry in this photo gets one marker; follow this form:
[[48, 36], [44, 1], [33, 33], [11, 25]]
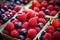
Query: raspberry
[[50, 29], [32, 33], [28, 39], [14, 33], [22, 17], [53, 13], [33, 22], [6, 13], [18, 30], [9, 26], [56, 35], [36, 9], [44, 4], [13, 12], [47, 36], [37, 29], [50, 7], [56, 23], [17, 8], [42, 20], [30, 14], [25, 25], [5, 32], [41, 14]]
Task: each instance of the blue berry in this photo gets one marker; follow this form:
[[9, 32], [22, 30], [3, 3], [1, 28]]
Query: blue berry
[[13, 19], [43, 8], [6, 8], [40, 25], [2, 10], [47, 11], [58, 29], [2, 16], [18, 25], [18, 2], [9, 10], [9, 16], [11, 7], [21, 37], [40, 0], [23, 32]]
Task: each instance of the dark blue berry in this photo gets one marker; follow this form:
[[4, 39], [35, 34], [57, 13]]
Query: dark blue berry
[[23, 32], [58, 29], [43, 8], [21, 37], [2, 10], [2, 16], [18, 24], [40, 25], [9, 16], [40, 0], [47, 11], [18, 2], [6, 8], [13, 19], [11, 7], [9, 10]]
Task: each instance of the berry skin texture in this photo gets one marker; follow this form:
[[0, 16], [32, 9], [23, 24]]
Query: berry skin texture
[[56, 23], [21, 37], [37, 29], [6, 32], [50, 7], [17, 8], [53, 13], [56, 35], [14, 33], [13, 12], [33, 22], [30, 14], [25, 25], [22, 17], [28, 39], [44, 4], [9, 26], [41, 14], [47, 36], [50, 29], [42, 20], [6, 13], [32, 33]]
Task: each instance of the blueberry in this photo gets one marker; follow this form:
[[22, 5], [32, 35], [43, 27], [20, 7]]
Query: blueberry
[[9, 10], [47, 11], [20, 12], [40, 0], [11, 7], [23, 32], [21, 37], [18, 2], [9, 16], [40, 25], [18, 24], [43, 8], [13, 19], [2, 10], [58, 29], [6, 8], [2, 16]]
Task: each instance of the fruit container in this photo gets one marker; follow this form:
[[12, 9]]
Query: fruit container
[[29, 16], [8, 10], [50, 30]]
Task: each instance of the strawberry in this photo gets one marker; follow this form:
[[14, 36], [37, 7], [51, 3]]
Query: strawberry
[[9, 26], [53, 13], [14, 33], [56, 23], [17, 8], [41, 14], [47, 36], [33, 22], [32, 33], [22, 17], [50, 29], [50, 7], [42, 20]]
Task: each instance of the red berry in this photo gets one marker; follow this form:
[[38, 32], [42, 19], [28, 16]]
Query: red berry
[[50, 29], [56, 35], [13, 12], [30, 14], [37, 29], [22, 17], [6, 32], [18, 29], [32, 33], [53, 13], [47, 36], [44, 4], [33, 22], [10, 26], [17, 8], [6, 13], [25, 25], [14, 33], [28, 39], [50, 7], [41, 14], [42, 20], [56, 23], [36, 9]]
